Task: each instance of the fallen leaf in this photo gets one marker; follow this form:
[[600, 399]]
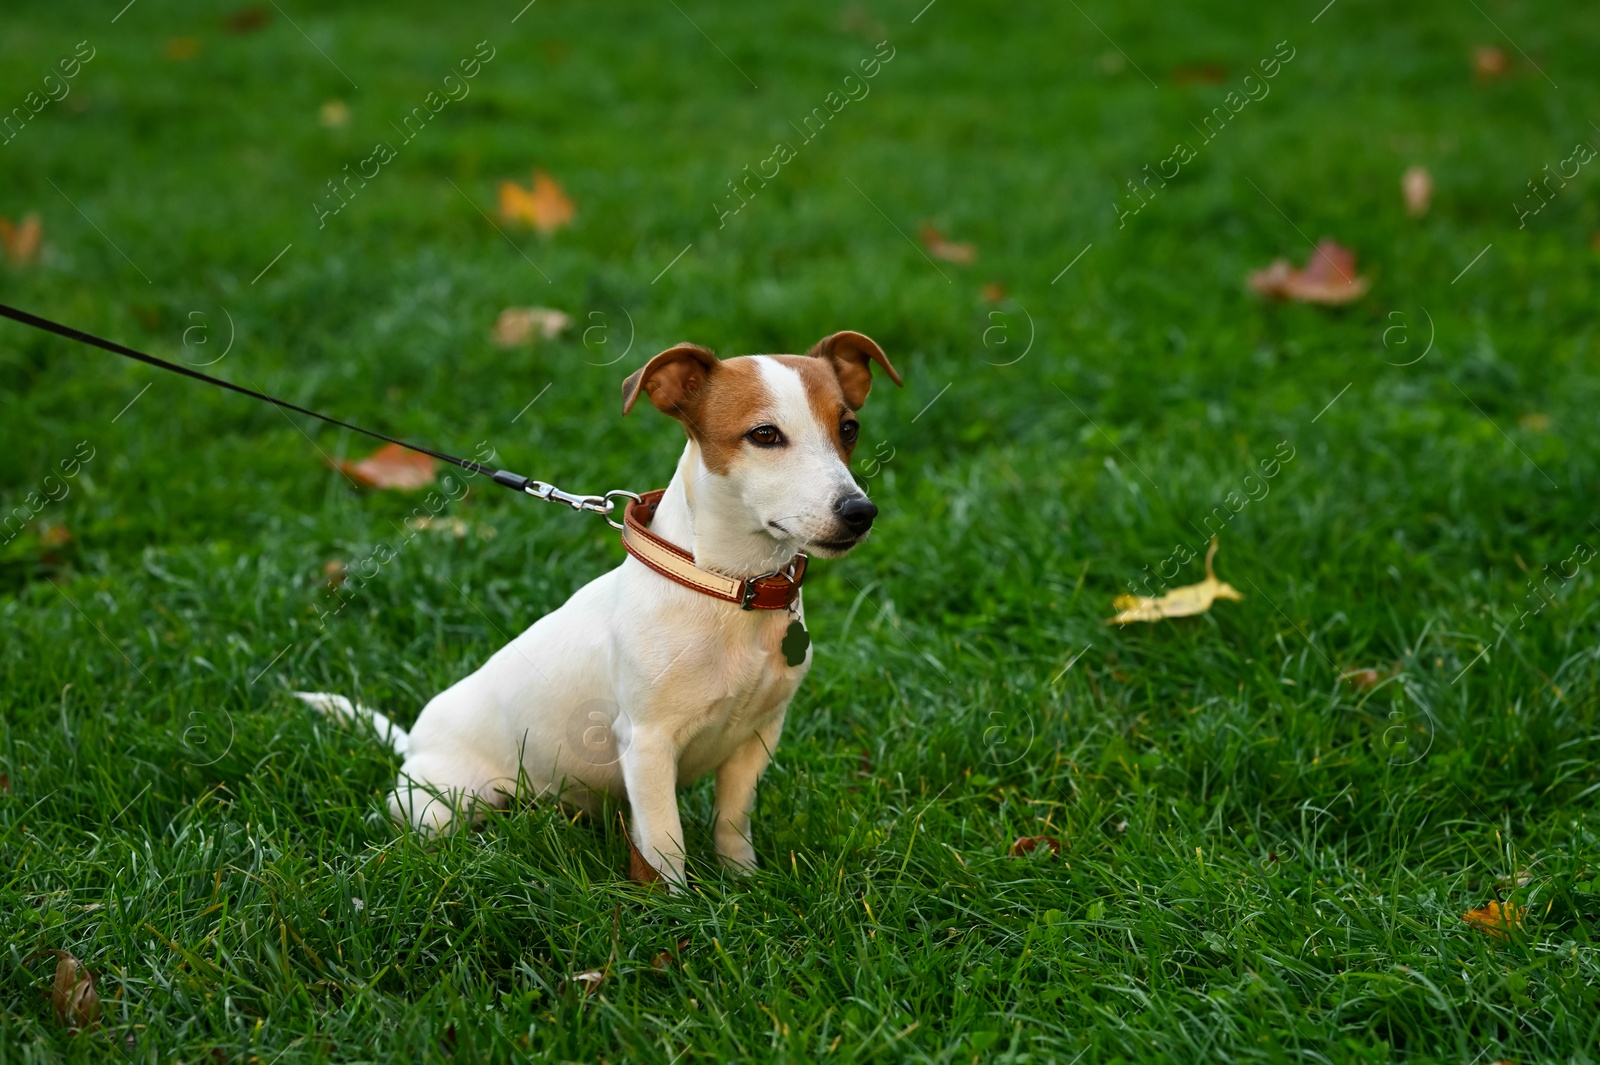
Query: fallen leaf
[[545, 207], [517, 326], [179, 49], [590, 980], [54, 536], [1416, 185], [22, 239], [666, 958], [1370, 676], [334, 573], [335, 114], [1489, 62], [452, 525], [1329, 277], [1029, 844], [1178, 603], [940, 248], [247, 19], [639, 870], [1496, 919], [994, 292], [1534, 422], [391, 466], [5, 784], [1200, 74], [73, 994]]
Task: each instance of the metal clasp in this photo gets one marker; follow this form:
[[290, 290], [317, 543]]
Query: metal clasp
[[603, 505]]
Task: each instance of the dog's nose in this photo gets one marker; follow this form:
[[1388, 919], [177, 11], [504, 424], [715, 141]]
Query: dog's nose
[[857, 513]]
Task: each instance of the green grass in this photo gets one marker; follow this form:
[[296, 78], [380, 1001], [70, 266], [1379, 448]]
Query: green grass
[[1259, 861]]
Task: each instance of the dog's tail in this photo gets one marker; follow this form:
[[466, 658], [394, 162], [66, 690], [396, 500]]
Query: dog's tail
[[341, 709]]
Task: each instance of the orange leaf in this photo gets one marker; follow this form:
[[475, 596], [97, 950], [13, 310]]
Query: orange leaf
[[1416, 184], [1489, 62], [179, 49], [940, 248], [391, 466], [994, 292], [1329, 277], [1496, 919], [545, 207], [21, 240], [1029, 844]]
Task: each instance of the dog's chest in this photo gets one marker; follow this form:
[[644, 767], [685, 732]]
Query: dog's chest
[[748, 683]]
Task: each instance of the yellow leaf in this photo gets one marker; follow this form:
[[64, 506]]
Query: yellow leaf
[[1496, 919], [545, 207], [1178, 603]]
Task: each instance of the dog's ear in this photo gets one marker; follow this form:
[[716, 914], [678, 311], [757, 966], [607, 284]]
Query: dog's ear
[[673, 379], [851, 356]]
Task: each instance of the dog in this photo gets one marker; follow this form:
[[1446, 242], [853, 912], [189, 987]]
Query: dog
[[683, 660]]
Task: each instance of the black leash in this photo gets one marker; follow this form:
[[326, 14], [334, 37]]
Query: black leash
[[514, 481]]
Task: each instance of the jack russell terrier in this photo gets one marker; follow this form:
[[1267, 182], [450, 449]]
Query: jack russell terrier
[[684, 658]]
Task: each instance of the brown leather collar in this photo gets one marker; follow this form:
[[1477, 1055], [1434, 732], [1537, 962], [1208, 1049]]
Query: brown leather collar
[[771, 591]]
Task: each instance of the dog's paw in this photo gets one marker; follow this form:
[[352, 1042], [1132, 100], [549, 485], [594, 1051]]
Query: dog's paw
[[739, 859]]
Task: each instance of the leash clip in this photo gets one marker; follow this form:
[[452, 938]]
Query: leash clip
[[602, 505]]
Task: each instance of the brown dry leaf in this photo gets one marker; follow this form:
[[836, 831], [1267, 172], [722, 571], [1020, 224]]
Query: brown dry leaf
[[941, 248], [517, 326], [391, 466], [1534, 422], [247, 19], [22, 239], [1370, 676], [1416, 185], [1496, 919], [994, 292], [1329, 277], [639, 870], [334, 573], [335, 114], [73, 994], [666, 958], [1200, 74], [178, 49], [1178, 603], [1029, 844], [1489, 62], [545, 207]]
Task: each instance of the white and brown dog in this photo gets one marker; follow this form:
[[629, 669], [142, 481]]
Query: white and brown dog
[[684, 658]]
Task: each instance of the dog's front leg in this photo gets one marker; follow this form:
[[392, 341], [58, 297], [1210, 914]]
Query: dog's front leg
[[650, 773], [736, 797]]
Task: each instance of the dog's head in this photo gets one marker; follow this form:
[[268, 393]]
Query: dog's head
[[775, 433]]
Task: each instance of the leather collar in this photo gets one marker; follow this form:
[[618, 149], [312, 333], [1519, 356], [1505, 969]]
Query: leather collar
[[770, 591]]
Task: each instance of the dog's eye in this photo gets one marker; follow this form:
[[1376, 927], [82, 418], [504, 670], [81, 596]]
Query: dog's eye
[[764, 436], [848, 431]]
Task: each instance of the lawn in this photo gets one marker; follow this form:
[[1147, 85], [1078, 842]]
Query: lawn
[[1271, 817]]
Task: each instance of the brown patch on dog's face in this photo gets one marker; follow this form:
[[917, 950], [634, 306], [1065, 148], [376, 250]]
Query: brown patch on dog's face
[[826, 397], [733, 401]]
